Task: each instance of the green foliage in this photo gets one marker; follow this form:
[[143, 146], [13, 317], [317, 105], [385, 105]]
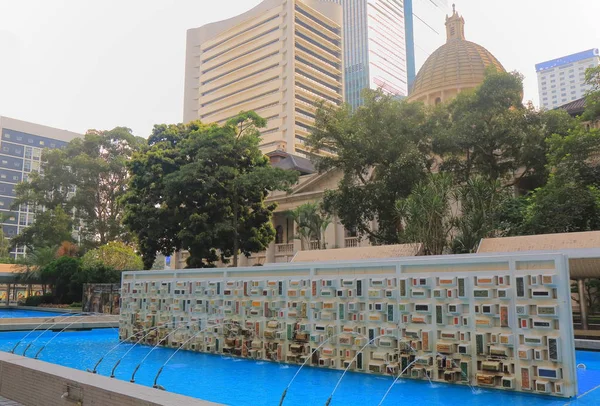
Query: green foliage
[[87, 178], [480, 201], [46, 298], [427, 214], [202, 188], [382, 151], [562, 207], [114, 255], [50, 229], [592, 100], [311, 223], [491, 134], [63, 275]]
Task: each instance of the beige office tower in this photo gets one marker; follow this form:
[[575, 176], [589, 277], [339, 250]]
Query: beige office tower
[[278, 59]]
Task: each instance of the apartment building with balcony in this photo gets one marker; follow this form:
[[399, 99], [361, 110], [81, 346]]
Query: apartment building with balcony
[[278, 59]]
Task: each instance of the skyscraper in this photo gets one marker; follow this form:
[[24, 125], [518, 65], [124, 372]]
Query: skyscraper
[[21, 148], [425, 32], [562, 80], [278, 59], [386, 41], [374, 47]]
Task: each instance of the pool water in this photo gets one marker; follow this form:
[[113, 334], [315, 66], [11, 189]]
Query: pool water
[[239, 382], [18, 313]]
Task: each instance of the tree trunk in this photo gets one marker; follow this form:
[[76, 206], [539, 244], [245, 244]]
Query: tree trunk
[[236, 243]]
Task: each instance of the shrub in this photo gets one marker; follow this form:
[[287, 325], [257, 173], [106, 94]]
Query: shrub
[[39, 300]]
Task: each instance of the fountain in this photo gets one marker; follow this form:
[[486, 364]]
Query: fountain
[[12, 351], [49, 328], [114, 368], [310, 357], [56, 335], [156, 385], [132, 380], [119, 344], [350, 364], [398, 377]]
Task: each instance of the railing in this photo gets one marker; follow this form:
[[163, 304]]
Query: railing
[[314, 245], [350, 242], [284, 248]]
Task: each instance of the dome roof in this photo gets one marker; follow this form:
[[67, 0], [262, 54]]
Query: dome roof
[[455, 66]]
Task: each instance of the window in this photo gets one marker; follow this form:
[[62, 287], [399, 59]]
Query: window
[[52, 145], [29, 141], [543, 83], [4, 162], [15, 177], [41, 142], [553, 81], [571, 76], [27, 166], [11, 218], [1, 203], [37, 153], [28, 152], [2, 176], [7, 136], [5, 149]]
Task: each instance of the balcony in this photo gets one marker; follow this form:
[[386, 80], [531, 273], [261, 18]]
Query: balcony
[[284, 248], [350, 242]]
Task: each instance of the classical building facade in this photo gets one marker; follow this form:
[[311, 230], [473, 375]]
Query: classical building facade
[[562, 80], [456, 66], [278, 59], [21, 146]]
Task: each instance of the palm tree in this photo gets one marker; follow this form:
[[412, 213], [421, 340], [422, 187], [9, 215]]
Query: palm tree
[[311, 223], [30, 266]]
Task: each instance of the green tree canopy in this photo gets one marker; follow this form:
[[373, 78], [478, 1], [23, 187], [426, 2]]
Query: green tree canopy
[[491, 134], [87, 178], [114, 255], [202, 188], [426, 214], [382, 150], [50, 229]]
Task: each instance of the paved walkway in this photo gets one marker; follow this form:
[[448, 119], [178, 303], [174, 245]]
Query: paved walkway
[[8, 402]]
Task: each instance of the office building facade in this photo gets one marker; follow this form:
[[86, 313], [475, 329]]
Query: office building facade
[[278, 59], [562, 80], [21, 146], [425, 32], [374, 48]]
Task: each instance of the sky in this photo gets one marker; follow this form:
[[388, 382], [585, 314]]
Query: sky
[[82, 64]]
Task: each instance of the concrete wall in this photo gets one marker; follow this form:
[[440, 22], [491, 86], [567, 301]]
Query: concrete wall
[[35, 383]]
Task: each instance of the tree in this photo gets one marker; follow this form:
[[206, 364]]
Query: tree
[[202, 188], [382, 150], [311, 223], [480, 200], [68, 249], [50, 228], [64, 275], [592, 100], [427, 214], [87, 179], [562, 207], [114, 255], [30, 267], [491, 134]]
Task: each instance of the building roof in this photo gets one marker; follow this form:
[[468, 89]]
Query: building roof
[[358, 253], [291, 162], [582, 248], [458, 64], [564, 60], [574, 108]]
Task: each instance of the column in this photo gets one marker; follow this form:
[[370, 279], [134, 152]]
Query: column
[[582, 303], [270, 259], [7, 294]]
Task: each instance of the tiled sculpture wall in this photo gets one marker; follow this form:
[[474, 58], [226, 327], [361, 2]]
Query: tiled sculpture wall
[[495, 321]]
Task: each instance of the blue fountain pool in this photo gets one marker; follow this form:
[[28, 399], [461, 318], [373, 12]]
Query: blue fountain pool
[[240, 382], [19, 313]]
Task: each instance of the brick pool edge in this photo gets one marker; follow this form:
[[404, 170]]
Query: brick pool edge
[[33, 382]]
